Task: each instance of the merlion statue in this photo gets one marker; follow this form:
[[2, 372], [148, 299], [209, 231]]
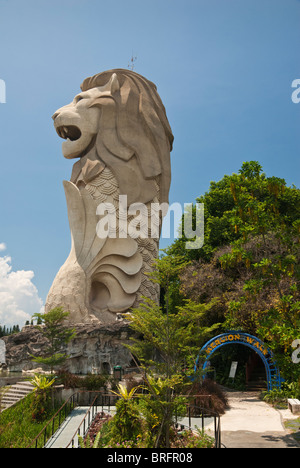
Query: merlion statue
[[118, 128]]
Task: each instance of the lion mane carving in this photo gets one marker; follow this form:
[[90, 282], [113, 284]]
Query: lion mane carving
[[118, 128]]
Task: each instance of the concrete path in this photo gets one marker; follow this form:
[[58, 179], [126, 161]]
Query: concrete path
[[248, 413], [252, 423], [65, 433], [197, 423], [246, 439]]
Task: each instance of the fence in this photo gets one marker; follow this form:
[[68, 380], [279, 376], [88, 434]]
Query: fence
[[52, 425], [202, 414], [100, 401], [104, 402]]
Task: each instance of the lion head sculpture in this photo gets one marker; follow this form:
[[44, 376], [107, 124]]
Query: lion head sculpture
[[118, 128], [121, 115]]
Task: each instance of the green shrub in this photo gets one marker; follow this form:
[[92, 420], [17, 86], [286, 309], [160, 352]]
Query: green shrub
[[189, 439], [94, 382], [288, 390], [42, 401], [89, 382], [126, 424]]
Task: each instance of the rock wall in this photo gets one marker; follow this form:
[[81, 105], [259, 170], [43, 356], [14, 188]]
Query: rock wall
[[96, 349]]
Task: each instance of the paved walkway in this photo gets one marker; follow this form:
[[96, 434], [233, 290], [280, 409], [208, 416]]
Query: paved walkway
[[252, 423], [65, 433], [247, 439]]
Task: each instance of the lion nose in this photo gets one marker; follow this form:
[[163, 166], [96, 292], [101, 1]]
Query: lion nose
[[55, 115]]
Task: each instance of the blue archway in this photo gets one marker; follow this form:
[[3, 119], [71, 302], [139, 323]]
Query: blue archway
[[274, 379]]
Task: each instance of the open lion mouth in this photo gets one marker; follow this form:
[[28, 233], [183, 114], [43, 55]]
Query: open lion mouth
[[70, 132]]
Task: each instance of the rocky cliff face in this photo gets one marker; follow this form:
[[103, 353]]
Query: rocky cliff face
[[96, 349]]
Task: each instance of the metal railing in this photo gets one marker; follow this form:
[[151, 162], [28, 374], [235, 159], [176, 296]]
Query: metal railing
[[52, 426], [105, 404], [197, 412]]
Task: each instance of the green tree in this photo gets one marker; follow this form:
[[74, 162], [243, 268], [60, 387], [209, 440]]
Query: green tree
[[280, 327], [253, 264], [9, 331], [169, 345], [263, 226], [240, 205], [53, 328]]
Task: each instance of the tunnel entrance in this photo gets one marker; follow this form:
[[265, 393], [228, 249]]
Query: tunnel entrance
[[260, 350]]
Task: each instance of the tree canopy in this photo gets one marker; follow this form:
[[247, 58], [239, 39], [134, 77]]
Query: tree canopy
[[250, 258]]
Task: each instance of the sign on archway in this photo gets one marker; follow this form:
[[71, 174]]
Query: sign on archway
[[274, 379]]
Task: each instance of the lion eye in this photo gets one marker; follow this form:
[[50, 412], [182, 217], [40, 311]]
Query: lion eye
[[78, 98]]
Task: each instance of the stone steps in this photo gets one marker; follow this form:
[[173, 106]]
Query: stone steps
[[14, 393]]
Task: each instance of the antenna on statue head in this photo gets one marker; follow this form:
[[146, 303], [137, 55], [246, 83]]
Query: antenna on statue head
[[131, 64]]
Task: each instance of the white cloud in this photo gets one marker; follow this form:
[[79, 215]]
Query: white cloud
[[19, 298], [2, 247]]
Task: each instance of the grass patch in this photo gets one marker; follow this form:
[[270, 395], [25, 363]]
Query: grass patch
[[293, 425], [17, 429]]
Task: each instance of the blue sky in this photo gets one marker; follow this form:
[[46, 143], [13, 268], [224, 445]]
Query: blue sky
[[223, 70]]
